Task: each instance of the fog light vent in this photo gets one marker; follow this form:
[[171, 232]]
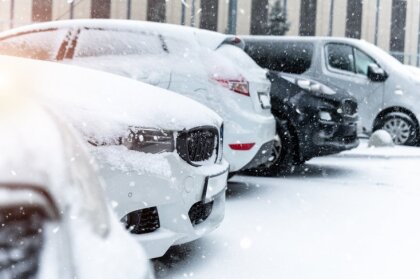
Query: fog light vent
[[142, 221], [199, 212]]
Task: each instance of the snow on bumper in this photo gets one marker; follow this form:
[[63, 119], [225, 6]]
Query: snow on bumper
[[173, 188]]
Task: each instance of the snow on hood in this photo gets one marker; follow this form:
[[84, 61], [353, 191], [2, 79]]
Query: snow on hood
[[99, 104], [29, 135], [37, 149]]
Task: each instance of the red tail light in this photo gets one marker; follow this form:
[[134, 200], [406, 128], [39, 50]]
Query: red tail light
[[242, 146], [240, 86]]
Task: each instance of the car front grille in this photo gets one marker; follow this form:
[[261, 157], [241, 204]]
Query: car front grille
[[198, 145], [349, 107]]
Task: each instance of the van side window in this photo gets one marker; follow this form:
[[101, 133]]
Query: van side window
[[362, 62], [41, 45], [98, 42], [288, 57], [340, 57]]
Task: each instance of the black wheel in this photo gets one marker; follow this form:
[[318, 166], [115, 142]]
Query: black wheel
[[288, 152], [288, 157], [402, 128]]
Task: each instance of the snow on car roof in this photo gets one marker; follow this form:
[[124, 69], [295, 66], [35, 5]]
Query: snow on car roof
[[101, 105], [206, 38]]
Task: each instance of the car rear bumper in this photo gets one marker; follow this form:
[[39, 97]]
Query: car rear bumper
[[259, 130], [264, 156]]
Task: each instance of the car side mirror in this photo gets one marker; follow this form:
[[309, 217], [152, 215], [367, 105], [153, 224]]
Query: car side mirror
[[376, 74]]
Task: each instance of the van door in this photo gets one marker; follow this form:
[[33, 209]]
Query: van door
[[346, 66]]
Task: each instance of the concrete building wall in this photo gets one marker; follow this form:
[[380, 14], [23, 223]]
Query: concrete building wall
[[293, 15], [173, 11], [4, 15], [22, 12], [243, 22], [119, 9], [322, 22]]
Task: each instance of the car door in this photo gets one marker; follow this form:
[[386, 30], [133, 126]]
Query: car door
[[134, 54], [346, 66]]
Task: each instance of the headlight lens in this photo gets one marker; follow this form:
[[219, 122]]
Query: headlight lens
[[324, 115], [149, 140]]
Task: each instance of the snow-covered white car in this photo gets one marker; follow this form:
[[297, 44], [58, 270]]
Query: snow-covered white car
[[56, 222], [164, 170], [178, 58]]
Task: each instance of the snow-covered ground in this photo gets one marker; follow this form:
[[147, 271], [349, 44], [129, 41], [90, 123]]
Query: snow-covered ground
[[353, 215]]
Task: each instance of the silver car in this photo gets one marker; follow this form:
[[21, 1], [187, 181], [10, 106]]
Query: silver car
[[386, 90]]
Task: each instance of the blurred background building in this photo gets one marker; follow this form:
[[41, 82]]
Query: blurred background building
[[391, 24]]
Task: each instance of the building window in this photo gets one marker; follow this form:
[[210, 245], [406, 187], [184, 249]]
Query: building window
[[41, 10], [259, 17], [398, 21], [354, 19], [209, 10], [307, 18], [100, 9], [156, 10]]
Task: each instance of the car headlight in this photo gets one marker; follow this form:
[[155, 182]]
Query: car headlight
[[220, 156], [325, 115], [149, 140]]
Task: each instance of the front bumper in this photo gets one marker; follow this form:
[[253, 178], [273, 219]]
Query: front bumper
[[173, 191], [328, 137]]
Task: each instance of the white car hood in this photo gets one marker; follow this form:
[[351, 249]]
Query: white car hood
[[99, 104], [39, 153]]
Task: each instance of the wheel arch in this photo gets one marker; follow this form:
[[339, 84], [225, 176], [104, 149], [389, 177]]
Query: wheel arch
[[394, 109], [293, 132]]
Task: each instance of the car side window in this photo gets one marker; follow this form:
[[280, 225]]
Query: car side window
[[41, 45], [362, 62], [340, 57], [99, 42], [288, 57]]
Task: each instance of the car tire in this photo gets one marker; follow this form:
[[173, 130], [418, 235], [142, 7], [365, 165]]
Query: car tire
[[288, 156], [402, 128]]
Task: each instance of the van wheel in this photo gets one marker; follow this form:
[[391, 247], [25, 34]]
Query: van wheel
[[402, 128]]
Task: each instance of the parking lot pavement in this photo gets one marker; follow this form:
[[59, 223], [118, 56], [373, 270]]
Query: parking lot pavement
[[353, 215]]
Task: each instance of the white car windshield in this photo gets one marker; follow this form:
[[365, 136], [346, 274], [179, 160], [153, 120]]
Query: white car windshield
[[391, 61]]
